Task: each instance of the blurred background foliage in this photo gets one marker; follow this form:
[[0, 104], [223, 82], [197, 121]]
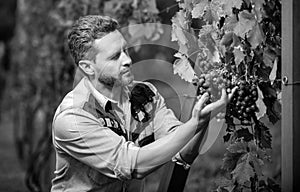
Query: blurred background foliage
[[37, 71]]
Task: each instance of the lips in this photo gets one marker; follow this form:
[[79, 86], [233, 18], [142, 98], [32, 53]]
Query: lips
[[126, 70]]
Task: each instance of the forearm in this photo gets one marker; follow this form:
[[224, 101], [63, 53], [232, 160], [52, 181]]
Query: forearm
[[191, 150], [162, 150]]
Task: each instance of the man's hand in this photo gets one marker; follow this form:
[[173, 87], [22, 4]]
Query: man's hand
[[200, 112]]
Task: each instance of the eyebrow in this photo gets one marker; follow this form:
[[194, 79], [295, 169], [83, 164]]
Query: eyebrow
[[124, 46]]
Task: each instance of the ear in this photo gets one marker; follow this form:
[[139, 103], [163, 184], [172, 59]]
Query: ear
[[87, 67]]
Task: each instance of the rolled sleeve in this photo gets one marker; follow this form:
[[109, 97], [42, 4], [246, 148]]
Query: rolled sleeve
[[82, 136]]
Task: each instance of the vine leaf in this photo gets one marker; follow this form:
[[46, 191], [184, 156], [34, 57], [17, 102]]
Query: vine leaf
[[273, 73], [230, 23], [225, 184], [258, 7], [186, 4], [230, 40], [183, 68], [263, 135], [260, 104], [199, 9], [238, 147], [178, 25], [207, 42], [245, 24], [256, 163], [243, 171], [256, 36], [226, 137], [214, 11], [239, 55], [230, 160], [229, 4], [179, 33], [245, 134], [268, 57]]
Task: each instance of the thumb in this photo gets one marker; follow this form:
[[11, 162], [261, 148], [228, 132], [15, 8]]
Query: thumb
[[201, 102]]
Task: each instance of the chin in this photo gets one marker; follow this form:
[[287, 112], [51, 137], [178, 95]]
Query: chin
[[127, 81]]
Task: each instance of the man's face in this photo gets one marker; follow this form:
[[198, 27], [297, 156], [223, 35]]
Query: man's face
[[112, 62]]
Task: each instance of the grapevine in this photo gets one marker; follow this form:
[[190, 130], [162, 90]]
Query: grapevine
[[230, 44]]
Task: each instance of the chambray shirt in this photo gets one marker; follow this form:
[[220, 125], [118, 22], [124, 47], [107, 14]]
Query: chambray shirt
[[97, 140]]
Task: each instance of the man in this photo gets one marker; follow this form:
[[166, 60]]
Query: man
[[110, 129]]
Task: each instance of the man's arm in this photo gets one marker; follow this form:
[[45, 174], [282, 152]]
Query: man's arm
[[191, 150], [163, 149]]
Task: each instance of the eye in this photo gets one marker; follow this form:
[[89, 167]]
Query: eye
[[116, 56]]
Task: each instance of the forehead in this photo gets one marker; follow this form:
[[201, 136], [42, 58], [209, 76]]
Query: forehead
[[110, 43]]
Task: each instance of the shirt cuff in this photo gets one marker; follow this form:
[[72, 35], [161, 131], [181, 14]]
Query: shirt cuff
[[178, 160]]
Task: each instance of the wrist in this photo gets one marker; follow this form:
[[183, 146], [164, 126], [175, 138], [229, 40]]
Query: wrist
[[194, 121]]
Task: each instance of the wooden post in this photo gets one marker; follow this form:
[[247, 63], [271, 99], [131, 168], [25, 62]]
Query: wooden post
[[290, 140]]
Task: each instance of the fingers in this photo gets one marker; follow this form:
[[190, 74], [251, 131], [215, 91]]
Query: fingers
[[225, 97], [201, 102], [232, 92], [224, 94]]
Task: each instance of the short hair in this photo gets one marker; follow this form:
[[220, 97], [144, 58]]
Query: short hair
[[85, 31]]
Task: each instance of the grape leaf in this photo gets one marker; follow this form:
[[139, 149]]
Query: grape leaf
[[223, 181], [214, 12], [256, 163], [227, 39], [226, 137], [268, 57], [230, 23], [245, 134], [245, 24], [238, 55], [238, 147], [199, 9], [186, 4], [183, 68], [230, 39], [273, 73], [243, 171], [263, 135], [229, 4], [260, 104], [206, 40], [230, 160], [178, 25], [256, 36], [258, 8]]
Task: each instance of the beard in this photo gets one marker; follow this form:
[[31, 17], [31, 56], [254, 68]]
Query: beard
[[110, 81]]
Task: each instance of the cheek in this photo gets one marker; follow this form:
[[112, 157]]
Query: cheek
[[108, 69]]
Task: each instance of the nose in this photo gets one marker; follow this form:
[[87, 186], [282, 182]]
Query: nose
[[126, 60]]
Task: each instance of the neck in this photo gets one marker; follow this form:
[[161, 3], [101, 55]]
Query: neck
[[113, 93]]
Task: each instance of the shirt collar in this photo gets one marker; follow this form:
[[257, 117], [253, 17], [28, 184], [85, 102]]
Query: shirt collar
[[104, 101]]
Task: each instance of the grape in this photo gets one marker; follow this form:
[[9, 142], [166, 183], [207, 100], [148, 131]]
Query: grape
[[243, 104]]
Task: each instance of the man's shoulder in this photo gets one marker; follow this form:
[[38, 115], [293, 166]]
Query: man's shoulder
[[77, 98]]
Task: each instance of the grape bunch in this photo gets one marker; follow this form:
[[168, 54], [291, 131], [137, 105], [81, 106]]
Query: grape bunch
[[243, 104], [212, 83]]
